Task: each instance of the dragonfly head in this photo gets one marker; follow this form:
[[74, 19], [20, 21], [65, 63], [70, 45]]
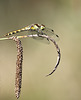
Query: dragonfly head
[[42, 27]]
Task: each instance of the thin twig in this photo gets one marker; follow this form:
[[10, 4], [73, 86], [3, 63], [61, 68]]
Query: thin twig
[[57, 48]]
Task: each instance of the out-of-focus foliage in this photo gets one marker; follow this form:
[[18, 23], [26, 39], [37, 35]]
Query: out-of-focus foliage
[[64, 16]]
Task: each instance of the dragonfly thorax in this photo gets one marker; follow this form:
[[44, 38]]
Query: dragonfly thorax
[[37, 27]]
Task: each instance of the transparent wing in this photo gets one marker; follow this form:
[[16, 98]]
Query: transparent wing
[[50, 32], [40, 39]]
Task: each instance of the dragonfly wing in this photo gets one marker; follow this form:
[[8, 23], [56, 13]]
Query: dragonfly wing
[[51, 33], [40, 39]]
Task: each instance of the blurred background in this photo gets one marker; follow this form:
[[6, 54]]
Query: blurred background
[[64, 16]]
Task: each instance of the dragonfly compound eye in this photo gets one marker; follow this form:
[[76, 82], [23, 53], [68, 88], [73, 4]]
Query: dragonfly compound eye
[[43, 28], [52, 30]]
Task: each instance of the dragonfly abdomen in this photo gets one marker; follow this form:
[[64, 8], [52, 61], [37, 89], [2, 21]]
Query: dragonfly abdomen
[[13, 32], [17, 31]]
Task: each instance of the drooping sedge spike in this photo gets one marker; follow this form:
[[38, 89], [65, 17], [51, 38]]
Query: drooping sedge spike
[[18, 79]]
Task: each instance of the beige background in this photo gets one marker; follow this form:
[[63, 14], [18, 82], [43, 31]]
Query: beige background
[[64, 16]]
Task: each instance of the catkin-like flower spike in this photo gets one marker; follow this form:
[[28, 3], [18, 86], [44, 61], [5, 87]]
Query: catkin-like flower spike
[[18, 79]]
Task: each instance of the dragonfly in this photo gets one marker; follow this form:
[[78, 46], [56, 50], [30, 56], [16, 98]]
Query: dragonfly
[[38, 31], [32, 29]]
